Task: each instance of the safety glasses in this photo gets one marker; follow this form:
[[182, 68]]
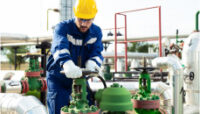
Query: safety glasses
[[85, 20]]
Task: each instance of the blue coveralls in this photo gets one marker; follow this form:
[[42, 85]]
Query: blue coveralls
[[69, 43]]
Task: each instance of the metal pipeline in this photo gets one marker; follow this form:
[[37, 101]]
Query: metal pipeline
[[158, 88], [164, 92], [13, 103], [197, 21], [11, 86], [172, 63]]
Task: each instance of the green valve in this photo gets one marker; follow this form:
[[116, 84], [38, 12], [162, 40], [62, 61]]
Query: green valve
[[115, 99], [34, 93], [107, 73], [128, 74], [34, 83], [79, 103], [144, 102], [33, 64]]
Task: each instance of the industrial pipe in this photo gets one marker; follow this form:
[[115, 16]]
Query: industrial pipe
[[130, 55], [191, 61], [197, 21], [172, 63], [12, 103], [10, 86]]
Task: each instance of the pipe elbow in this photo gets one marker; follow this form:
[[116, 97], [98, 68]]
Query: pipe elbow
[[170, 61]]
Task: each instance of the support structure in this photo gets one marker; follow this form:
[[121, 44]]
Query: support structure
[[125, 35], [43, 46]]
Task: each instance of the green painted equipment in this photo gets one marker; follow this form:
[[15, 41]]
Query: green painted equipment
[[128, 75], [107, 73], [178, 41], [2, 87], [143, 101], [197, 21], [33, 82], [114, 100], [79, 103]]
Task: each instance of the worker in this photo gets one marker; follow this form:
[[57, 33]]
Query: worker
[[74, 38]]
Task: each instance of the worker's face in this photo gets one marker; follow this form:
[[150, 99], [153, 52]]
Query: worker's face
[[83, 24]]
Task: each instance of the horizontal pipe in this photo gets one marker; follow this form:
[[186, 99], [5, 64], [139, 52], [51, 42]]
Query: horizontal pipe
[[12, 86], [137, 40], [131, 55], [137, 10], [12, 103]]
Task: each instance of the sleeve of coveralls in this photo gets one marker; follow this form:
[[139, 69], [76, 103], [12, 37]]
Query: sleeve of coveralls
[[95, 54], [60, 45]]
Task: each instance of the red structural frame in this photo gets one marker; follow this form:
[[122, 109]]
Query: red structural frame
[[125, 33]]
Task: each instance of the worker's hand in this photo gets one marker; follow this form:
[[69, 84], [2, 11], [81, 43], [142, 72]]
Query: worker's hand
[[71, 70], [92, 66]]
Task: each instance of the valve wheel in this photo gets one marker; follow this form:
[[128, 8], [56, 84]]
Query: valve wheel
[[191, 76], [145, 69]]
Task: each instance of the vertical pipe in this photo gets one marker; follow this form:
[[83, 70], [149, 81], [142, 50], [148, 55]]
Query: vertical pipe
[[15, 48], [115, 42], [47, 19], [176, 36], [126, 63], [160, 34], [43, 65], [173, 64], [197, 21]]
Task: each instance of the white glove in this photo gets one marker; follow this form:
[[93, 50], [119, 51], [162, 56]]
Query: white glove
[[71, 70], [92, 66]]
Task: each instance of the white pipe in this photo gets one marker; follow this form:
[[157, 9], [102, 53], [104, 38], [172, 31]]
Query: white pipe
[[131, 55], [191, 61], [12, 103], [172, 63], [12, 86], [165, 95], [158, 88]]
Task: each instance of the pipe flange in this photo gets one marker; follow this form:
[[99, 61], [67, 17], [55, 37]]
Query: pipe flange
[[44, 84], [146, 104], [41, 71], [62, 112], [25, 86], [32, 74]]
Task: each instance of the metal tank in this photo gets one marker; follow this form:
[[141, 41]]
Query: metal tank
[[191, 62]]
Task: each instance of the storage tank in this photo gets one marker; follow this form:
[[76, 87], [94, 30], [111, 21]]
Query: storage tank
[[191, 62]]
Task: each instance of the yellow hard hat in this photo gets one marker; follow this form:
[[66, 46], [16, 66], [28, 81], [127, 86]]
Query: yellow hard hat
[[85, 9]]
